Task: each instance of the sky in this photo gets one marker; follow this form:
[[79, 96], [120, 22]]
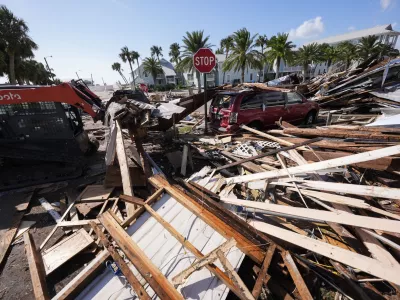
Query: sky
[[86, 36]]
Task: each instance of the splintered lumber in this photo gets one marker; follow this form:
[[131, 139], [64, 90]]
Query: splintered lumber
[[296, 276], [132, 199], [8, 235], [242, 161], [188, 245], [332, 163], [381, 164], [250, 166], [78, 283], [203, 261], [50, 209], [158, 282], [124, 168], [243, 243], [347, 188], [262, 275], [321, 215], [352, 259], [344, 134], [63, 251], [134, 282], [75, 223], [36, 268], [245, 293]]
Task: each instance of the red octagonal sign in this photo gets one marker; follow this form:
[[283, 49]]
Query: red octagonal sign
[[204, 60]]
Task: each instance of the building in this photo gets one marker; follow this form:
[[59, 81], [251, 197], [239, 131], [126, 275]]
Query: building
[[168, 77], [385, 34]]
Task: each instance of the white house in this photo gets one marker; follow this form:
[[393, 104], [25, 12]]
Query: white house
[[168, 77]]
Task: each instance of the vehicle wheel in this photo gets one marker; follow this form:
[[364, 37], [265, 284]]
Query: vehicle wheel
[[255, 125], [310, 118]]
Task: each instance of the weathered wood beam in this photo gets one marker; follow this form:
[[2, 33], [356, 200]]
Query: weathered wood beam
[[134, 282], [262, 275], [158, 282], [36, 268]]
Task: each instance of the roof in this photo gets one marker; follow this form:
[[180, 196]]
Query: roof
[[378, 30], [169, 255], [167, 67]]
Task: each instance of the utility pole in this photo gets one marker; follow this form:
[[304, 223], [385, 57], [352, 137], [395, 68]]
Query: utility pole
[[91, 75], [77, 74]]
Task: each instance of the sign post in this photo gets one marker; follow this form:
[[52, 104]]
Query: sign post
[[204, 61]]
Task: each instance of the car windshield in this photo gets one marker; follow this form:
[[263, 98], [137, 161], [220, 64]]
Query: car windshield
[[223, 100]]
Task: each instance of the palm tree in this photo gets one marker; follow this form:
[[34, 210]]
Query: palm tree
[[117, 67], [367, 47], [193, 41], [219, 51], [387, 50], [226, 44], [174, 52], [242, 55], [127, 56], [281, 49], [346, 52], [135, 56], [308, 54], [261, 42], [330, 54], [14, 36], [156, 51], [153, 67]]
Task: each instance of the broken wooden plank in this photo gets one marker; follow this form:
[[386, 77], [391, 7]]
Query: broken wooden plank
[[123, 166], [296, 276], [262, 275], [50, 209], [321, 215], [337, 162], [354, 189], [352, 259], [337, 133], [36, 268], [67, 248], [75, 223], [158, 282], [245, 293], [200, 263], [184, 159], [78, 283], [134, 282], [132, 199], [95, 192], [8, 235], [381, 164]]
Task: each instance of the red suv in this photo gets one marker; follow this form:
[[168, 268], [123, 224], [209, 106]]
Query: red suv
[[260, 109]]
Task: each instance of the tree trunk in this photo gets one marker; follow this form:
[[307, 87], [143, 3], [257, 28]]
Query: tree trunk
[[243, 75], [154, 80], [305, 67], [12, 68], [329, 64], [198, 81], [138, 67], [223, 78], [123, 77], [347, 63], [278, 64], [263, 65], [133, 76]]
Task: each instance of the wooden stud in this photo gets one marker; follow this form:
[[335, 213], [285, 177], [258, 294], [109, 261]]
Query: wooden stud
[[296, 276], [36, 268], [158, 282], [262, 275], [132, 199], [134, 282]]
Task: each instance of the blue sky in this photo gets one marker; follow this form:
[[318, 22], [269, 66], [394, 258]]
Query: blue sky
[[86, 36]]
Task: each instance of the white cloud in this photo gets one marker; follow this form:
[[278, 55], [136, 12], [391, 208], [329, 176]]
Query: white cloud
[[385, 4], [394, 24], [309, 28], [351, 28]]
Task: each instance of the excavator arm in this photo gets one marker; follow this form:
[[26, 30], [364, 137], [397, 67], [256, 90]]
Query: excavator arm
[[74, 93]]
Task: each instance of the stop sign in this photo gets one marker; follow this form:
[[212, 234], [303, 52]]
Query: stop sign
[[204, 60]]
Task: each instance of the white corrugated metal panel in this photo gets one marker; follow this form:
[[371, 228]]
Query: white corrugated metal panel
[[169, 255], [378, 30]]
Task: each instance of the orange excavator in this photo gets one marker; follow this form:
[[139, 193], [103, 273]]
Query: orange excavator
[[42, 124]]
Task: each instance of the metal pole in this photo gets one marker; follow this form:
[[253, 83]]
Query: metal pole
[[91, 75], [77, 75], [205, 103], [48, 68]]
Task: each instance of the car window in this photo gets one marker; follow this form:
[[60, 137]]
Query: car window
[[293, 98], [223, 101], [273, 99], [252, 102]]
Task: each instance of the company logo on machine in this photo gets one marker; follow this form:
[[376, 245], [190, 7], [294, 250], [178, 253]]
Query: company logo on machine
[[10, 96]]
